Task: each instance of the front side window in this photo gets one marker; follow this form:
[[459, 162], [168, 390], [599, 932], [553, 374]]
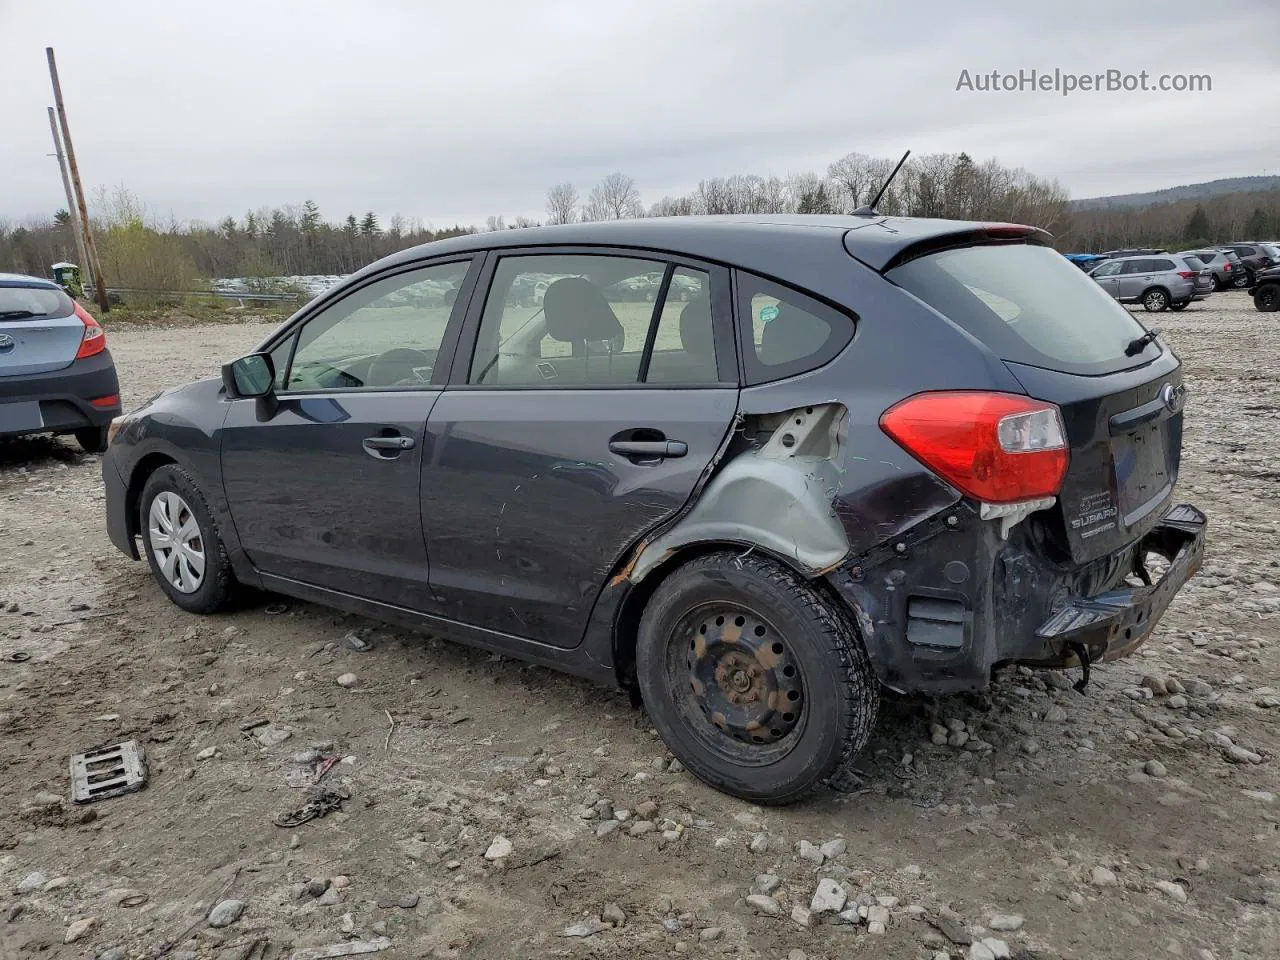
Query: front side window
[[586, 320], [1108, 269], [382, 336]]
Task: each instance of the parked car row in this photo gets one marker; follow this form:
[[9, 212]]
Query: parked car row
[[1161, 280]]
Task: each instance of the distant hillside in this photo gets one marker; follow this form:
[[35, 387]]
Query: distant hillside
[[1189, 191]]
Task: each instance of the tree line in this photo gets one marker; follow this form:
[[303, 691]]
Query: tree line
[[142, 251], [1180, 224]]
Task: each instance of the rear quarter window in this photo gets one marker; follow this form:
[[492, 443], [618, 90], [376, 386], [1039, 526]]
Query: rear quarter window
[[34, 303], [1027, 305], [785, 332]]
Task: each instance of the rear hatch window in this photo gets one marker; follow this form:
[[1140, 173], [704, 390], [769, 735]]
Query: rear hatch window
[[34, 303], [1028, 305]]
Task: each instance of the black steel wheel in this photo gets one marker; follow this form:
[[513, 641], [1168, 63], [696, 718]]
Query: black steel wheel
[[1267, 297], [756, 680]]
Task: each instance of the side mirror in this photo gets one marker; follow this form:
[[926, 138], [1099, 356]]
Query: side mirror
[[249, 377]]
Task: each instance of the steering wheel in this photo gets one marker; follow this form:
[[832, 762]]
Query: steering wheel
[[399, 367]]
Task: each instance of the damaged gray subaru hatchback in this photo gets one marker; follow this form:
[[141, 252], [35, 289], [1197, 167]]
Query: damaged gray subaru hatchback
[[753, 469]]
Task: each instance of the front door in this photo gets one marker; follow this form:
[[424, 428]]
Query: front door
[[599, 391], [324, 488], [1107, 276]]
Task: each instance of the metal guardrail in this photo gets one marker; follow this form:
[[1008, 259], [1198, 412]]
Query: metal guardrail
[[240, 295]]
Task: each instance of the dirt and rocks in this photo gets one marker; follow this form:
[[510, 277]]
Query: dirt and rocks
[[478, 807]]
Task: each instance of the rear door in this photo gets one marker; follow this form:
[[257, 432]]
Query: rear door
[[1120, 394], [583, 417], [1134, 276]]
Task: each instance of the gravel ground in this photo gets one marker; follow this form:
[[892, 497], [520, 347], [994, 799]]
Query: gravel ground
[[500, 810]]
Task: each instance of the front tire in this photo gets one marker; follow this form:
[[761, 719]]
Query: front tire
[[1242, 280], [1155, 301], [1267, 297], [756, 681], [182, 545]]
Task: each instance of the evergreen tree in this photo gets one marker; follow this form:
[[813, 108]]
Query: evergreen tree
[[1258, 227], [1197, 230]]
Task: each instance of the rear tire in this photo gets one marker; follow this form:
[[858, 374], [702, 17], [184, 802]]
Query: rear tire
[[756, 681], [182, 545], [1242, 280], [1267, 297], [92, 439], [1155, 300]]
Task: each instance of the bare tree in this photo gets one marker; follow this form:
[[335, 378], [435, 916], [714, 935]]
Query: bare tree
[[562, 203], [493, 223], [613, 198], [851, 175]]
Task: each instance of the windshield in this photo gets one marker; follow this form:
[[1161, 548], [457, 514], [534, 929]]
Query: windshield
[[1028, 305], [33, 303]]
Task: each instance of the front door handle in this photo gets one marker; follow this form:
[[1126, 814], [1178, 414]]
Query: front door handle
[[649, 449], [387, 448]]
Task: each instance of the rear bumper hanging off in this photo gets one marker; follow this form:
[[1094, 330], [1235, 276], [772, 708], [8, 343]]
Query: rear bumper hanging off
[[1114, 624]]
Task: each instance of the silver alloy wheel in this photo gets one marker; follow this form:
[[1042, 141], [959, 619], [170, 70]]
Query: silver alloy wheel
[[1155, 301], [176, 541]]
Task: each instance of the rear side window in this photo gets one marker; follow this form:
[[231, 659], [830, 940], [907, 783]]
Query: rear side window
[[1028, 305], [34, 303], [1159, 266], [785, 332]]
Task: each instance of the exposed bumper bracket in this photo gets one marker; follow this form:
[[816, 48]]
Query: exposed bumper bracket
[[1113, 624]]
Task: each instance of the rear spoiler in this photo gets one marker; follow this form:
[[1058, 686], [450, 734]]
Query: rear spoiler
[[987, 234], [884, 251]]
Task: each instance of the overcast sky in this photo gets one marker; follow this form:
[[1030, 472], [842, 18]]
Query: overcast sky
[[451, 111]]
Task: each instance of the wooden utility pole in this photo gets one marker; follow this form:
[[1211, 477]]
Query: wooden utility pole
[[103, 305], [72, 209]]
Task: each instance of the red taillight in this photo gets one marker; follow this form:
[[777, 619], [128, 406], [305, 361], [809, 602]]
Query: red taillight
[[107, 402], [995, 447], [1226, 267], [1187, 274], [94, 340]]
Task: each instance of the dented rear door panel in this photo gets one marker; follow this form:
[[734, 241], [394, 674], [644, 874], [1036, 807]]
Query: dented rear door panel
[[528, 512]]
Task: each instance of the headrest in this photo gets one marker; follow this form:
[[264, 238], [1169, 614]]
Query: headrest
[[696, 333], [576, 310]]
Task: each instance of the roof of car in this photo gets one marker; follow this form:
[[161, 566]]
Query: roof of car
[[875, 240], [22, 280]]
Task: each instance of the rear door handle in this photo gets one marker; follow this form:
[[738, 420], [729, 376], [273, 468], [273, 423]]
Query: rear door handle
[[386, 448], [653, 449]]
